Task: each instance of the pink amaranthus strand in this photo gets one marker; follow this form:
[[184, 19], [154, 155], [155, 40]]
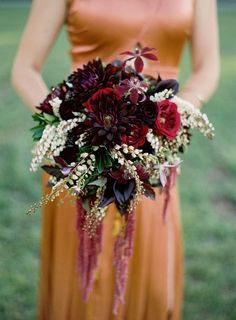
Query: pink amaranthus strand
[[122, 252], [170, 182], [88, 251]]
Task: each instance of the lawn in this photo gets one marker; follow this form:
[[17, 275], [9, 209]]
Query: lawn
[[207, 188]]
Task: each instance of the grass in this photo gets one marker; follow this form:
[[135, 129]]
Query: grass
[[207, 187]]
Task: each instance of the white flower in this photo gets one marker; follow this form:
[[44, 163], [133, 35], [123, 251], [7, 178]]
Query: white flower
[[159, 96], [153, 140], [55, 103], [192, 117], [52, 142]]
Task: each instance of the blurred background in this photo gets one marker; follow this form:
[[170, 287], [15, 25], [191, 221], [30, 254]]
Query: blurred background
[[207, 183]]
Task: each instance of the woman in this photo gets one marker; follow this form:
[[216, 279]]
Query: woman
[[105, 28]]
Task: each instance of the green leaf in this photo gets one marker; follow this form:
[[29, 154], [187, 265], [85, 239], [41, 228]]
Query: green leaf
[[107, 159], [99, 182], [85, 204], [50, 118], [37, 132], [99, 163], [84, 149], [103, 159], [38, 117]]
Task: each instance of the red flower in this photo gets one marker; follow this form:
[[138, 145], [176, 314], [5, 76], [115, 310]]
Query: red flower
[[92, 77], [108, 117], [138, 55], [148, 112], [168, 119], [137, 136], [57, 92], [121, 175]]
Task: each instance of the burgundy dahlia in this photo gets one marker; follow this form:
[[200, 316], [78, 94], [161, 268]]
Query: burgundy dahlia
[[57, 92], [148, 111], [92, 77], [109, 117], [136, 136]]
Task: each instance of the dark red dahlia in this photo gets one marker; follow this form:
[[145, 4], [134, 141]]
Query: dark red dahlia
[[109, 117], [136, 136], [148, 112], [68, 106], [93, 77], [57, 92]]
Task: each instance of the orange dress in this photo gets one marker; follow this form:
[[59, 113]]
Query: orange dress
[[103, 29]]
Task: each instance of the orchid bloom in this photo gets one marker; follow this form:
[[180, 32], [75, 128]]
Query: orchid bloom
[[138, 55], [133, 87], [163, 169]]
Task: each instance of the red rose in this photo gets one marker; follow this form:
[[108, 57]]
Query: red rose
[[168, 119], [137, 136]]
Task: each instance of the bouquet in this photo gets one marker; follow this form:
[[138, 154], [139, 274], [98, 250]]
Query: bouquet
[[110, 134]]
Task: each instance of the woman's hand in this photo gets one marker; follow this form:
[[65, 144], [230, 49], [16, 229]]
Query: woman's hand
[[204, 54], [45, 21]]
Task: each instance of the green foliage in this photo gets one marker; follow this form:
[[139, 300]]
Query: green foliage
[[84, 149], [43, 119], [207, 189], [50, 118], [37, 132], [99, 182], [103, 159]]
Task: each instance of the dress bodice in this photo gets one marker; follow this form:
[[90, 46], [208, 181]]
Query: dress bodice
[[105, 28]]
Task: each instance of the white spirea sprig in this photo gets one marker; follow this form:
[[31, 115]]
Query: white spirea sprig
[[74, 181], [95, 215], [81, 171], [52, 142], [117, 154], [123, 150], [153, 140], [193, 118], [152, 163], [61, 136], [56, 103], [42, 146], [80, 116], [159, 96], [146, 159], [81, 141]]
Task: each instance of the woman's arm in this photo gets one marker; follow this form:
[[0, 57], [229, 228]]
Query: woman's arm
[[204, 54], [45, 21]]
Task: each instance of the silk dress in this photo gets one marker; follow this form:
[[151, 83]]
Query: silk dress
[[105, 28]]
